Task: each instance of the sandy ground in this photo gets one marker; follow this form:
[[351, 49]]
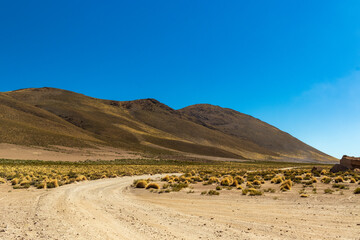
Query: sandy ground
[[110, 209], [59, 153]]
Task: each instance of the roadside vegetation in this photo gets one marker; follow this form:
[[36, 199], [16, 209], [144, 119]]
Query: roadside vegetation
[[248, 177]]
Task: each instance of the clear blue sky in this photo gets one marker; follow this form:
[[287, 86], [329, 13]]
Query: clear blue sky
[[293, 64]]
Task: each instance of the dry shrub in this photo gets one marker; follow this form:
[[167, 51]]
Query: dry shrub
[[53, 183], [24, 182], [314, 180], [326, 180], [278, 179], [15, 181], [249, 185], [166, 178], [339, 179], [213, 180], [298, 178], [213, 192], [286, 185], [256, 182], [308, 175], [152, 185], [304, 195], [42, 185], [141, 184], [226, 181], [81, 178], [235, 183], [239, 179], [251, 192], [328, 191], [2, 180], [323, 172], [352, 180], [197, 179]]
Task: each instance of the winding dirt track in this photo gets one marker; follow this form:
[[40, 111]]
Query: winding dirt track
[[110, 209]]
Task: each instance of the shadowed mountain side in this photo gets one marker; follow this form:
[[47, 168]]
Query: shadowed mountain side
[[252, 129], [48, 116]]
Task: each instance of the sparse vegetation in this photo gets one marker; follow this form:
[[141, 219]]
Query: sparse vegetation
[[141, 184], [225, 175], [328, 191], [340, 186], [286, 185], [339, 179], [213, 192], [152, 185], [251, 192]]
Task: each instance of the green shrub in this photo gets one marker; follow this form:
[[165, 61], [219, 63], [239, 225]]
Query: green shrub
[[213, 192], [328, 191], [270, 190], [340, 186], [176, 187], [251, 192]]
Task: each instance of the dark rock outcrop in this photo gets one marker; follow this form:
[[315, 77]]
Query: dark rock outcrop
[[338, 168]]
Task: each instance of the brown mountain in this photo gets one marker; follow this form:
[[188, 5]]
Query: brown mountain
[[48, 116]]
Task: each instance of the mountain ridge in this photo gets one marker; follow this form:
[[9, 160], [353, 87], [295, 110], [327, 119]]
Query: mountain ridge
[[50, 116]]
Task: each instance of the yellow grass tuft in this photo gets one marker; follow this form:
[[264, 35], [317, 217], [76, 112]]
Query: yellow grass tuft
[[42, 185], [81, 178], [286, 185], [166, 178], [314, 180], [53, 183], [213, 180], [251, 192], [152, 185], [325, 179], [338, 179], [226, 181], [239, 179], [278, 179], [323, 172], [141, 184], [256, 182], [15, 181]]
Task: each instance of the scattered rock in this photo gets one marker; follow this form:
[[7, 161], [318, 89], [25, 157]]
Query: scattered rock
[[338, 168]]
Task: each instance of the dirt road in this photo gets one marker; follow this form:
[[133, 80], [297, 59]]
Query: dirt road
[[110, 209]]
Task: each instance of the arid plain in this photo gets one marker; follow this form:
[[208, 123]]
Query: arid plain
[[112, 209], [102, 169]]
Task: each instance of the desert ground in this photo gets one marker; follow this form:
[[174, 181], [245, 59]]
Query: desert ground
[[61, 153], [112, 209]]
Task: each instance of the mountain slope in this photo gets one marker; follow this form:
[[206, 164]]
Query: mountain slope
[[249, 128], [48, 116]]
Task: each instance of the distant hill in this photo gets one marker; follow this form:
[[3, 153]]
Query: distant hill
[[48, 116]]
